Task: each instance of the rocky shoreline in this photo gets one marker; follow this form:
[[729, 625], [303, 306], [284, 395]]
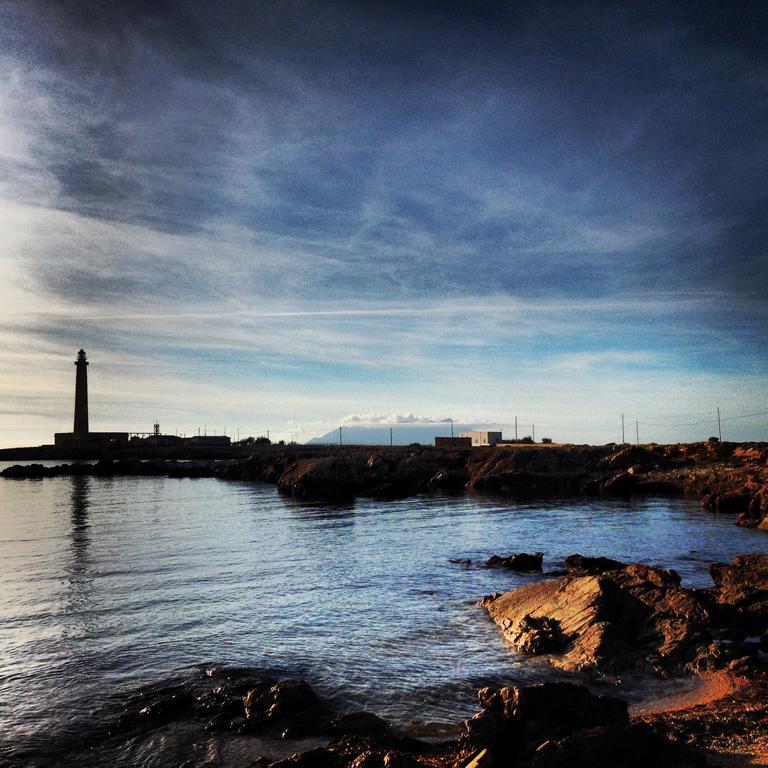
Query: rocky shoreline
[[725, 477], [601, 615]]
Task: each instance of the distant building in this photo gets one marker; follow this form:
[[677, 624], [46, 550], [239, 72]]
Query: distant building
[[482, 438], [80, 434], [453, 442], [217, 440]]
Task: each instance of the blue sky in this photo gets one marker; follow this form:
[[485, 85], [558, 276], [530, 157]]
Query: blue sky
[[293, 215]]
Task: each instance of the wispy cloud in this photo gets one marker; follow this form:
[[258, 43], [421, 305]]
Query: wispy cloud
[[269, 201]]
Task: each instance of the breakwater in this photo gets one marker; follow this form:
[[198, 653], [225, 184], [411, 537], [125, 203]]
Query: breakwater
[[724, 477]]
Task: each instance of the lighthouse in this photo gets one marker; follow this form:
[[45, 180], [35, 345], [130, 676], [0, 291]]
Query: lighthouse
[[81, 395], [81, 438]]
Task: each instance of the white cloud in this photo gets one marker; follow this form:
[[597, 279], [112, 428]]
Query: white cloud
[[391, 418]]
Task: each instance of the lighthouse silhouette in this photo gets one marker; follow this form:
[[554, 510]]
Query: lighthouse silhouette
[[81, 395]]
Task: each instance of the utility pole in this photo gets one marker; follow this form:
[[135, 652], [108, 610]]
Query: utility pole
[[390, 437], [340, 440], [267, 434], [637, 433], [623, 441], [515, 427], [719, 433], [533, 433], [451, 427]]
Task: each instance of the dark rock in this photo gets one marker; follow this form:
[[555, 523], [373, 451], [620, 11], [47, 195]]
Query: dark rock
[[290, 702], [322, 477], [522, 561], [629, 746], [319, 757], [175, 706], [460, 561], [362, 724], [400, 760], [558, 704], [368, 759], [742, 586], [539, 635], [620, 484], [514, 717], [579, 565], [625, 458], [449, 480], [561, 725]]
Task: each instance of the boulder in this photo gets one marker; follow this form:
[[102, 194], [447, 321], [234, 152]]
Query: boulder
[[362, 724], [562, 725], [633, 616], [290, 703], [522, 561], [742, 586], [630, 746], [512, 718], [579, 565]]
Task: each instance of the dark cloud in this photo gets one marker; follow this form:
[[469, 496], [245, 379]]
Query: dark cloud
[[421, 148]]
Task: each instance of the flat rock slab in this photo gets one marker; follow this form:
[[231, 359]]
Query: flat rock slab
[[617, 619]]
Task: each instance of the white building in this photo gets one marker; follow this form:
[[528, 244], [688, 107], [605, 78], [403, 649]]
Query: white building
[[482, 438]]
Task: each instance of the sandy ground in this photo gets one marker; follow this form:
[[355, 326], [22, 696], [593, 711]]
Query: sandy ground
[[726, 715]]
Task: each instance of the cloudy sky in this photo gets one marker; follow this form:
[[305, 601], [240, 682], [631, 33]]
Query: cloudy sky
[[292, 215]]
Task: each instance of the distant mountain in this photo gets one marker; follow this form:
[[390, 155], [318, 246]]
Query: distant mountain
[[402, 434]]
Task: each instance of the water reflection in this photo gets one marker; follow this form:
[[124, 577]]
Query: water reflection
[[79, 577]]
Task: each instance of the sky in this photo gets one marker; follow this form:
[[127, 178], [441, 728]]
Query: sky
[[297, 215]]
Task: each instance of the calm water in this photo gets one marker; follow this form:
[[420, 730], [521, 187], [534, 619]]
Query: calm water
[[109, 584]]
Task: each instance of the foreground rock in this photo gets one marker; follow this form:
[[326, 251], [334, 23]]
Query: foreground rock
[[625, 616], [545, 726], [560, 724]]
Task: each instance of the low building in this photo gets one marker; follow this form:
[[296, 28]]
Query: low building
[[91, 438], [482, 438], [217, 440], [453, 442]]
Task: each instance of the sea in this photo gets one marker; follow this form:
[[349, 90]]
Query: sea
[[110, 585]]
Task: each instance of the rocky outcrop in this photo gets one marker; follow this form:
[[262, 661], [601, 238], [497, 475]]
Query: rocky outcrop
[[618, 618], [521, 561], [622, 616]]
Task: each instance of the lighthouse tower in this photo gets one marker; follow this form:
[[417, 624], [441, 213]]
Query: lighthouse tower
[[81, 396]]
